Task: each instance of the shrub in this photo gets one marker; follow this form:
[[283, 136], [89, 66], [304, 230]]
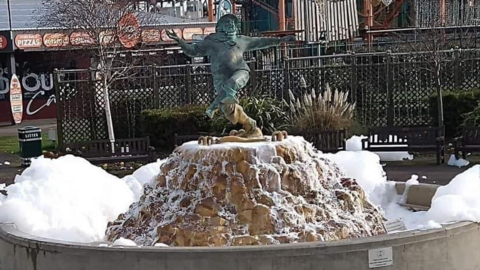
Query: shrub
[[456, 105], [330, 111], [162, 124], [270, 114], [472, 119]]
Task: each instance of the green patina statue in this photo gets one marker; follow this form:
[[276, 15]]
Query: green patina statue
[[230, 71]]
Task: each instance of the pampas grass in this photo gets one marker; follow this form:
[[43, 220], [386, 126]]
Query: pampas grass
[[320, 112]]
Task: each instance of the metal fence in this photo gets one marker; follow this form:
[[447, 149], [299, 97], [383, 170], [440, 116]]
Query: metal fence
[[390, 89]]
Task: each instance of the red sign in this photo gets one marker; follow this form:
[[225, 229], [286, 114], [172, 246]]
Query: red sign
[[28, 41], [81, 39], [188, 33], [55, 40], [16, 101], [166, 38], [3, 42], [209, 30], [151, 36], [107, 37], [129, 30]]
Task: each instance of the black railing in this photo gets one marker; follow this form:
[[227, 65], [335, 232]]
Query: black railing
[[389, 89]]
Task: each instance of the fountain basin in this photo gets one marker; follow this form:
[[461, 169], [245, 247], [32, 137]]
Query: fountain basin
[[452, 247]]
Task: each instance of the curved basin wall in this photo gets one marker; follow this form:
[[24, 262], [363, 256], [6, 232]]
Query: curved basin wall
[[453, 247]]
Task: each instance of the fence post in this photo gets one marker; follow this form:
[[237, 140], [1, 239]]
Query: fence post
[[156, 94], [353, 77], [92, 89], [456, 67], [188, 82], [286, 68], [58, 101], [253, 74], [390, 103]]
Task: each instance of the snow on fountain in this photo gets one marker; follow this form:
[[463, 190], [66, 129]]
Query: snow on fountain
[[248, 194]]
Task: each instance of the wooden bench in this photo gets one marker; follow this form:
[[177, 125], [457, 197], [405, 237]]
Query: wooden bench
[[468, 142], [99, 152], [410, 139], [326, 141]]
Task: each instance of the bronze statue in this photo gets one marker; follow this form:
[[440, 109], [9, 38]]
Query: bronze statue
[[230, 71]]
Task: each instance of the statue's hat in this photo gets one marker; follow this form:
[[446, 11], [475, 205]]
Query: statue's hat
[[226, 18]]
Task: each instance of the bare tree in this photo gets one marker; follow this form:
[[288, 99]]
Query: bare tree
[[108, 28], [436, 51]]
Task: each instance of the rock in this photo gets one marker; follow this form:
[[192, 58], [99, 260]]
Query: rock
[[246, 216], [268, 240], [161, 181], [250, 194], [262, 220], [217, 221], [207, 208], [245, 241], [266, 200], [218, 240]]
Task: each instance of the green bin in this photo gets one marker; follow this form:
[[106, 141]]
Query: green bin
[[30, 140]]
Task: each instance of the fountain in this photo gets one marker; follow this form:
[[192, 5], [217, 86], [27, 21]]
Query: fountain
[[237, 194]]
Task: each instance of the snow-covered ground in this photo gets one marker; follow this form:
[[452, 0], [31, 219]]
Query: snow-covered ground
[[69, 199]]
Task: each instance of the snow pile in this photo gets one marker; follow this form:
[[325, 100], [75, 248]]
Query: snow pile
[[355, 144], [147, 173], [141, 177], [124, 242], [453, 161], [412, 182], [457, 201], [364, 167], [65, 199]]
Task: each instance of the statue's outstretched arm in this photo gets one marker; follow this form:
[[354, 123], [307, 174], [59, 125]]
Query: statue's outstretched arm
[[193, 50], [197, 49], [259, 43]]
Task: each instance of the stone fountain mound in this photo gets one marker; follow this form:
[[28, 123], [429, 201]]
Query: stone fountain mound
[[248, 194]]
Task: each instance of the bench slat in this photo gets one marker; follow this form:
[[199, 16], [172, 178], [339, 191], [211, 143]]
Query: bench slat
[[125, 149], [418, 139]]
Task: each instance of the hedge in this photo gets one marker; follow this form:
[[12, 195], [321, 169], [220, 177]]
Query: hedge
[[455, 106], [161, 125]]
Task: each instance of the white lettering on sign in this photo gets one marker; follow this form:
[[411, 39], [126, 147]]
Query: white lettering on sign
[[50, 100], [380, 257], [31, 82], [25, 41], [38, 81]]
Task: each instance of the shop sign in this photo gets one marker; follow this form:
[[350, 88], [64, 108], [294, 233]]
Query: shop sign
[[188, 33], [81, 39], [209, 30], [55, 40], [166, 38], [151, 36], [16, 100], [129, 30], [3, 42], [28, 41], [107, 37]]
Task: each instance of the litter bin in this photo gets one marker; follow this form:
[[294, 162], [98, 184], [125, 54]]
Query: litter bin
[[30, 140]]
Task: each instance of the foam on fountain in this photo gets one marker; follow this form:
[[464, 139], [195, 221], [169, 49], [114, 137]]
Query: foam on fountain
[[248, 194]]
